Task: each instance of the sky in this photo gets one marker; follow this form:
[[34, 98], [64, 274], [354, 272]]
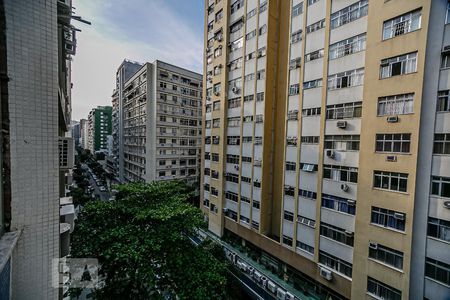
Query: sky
[[139, 30]]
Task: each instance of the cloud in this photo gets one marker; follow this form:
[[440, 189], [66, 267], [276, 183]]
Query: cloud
[[139, 30]]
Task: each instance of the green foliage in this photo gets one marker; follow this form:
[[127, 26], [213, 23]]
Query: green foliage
[[79, 196], [141, 241]]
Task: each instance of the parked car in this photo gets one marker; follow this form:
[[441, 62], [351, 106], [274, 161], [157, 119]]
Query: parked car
[[102, 189]]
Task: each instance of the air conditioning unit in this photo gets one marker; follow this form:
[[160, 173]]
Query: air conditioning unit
[[216, 93], [344, 187], [257, 276], [250, 270], [208, 98], [66, 153], [399, 216], [263, 281], [392, 119], [391, 158], [351, 202], [330, 153], [447, 204], [446, 49], [349, 233], [271, 286], [289, 296], [236, 167], [208, 50], [281, 294], [325, 273], [373, 245], [235, 89], [341, 124], [242, 265]]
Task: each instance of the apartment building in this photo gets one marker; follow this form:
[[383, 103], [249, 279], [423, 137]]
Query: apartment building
[[126, 69], [37, 150], [99, 128], [162, 123], [84, 125], [326, 141]]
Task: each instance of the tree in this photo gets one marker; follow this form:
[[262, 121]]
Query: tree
[[142, 243]]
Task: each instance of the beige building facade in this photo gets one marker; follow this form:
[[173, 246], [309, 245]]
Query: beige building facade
[[327, 140]]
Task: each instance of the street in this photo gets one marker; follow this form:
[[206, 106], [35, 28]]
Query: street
[[97, 193]]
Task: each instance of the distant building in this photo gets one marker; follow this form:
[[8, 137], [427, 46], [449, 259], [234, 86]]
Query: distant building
[[99, 127], [84, 132], [126, 69], [76, 133], [160, 126]]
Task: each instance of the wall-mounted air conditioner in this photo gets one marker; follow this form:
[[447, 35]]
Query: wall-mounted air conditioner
[[235, 89], [447, 204], [373, 245], [281, 294], [289, 296], [325, 273], [271, 286], [391, 158], [330, 153], [392, 119], [399, 216], [341, 124], [344, 187]]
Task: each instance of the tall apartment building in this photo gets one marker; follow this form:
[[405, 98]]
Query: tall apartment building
[[162, 123], [84, 126], [126, 69], [99, 128], [36, 45], [327, 141]]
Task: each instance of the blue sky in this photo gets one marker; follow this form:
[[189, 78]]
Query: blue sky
[[140, 30]]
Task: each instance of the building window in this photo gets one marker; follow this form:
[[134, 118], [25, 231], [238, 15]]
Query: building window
[[306, 221], [237, 44], [248, 98], [234, 122], [441, 143], [288, 216], [390, 181], [380, 290], [340, 173], [311, 2], [344, 111], [349, 14], [219, 15], [388, 218], [215, 157], [308, 167], [251, 13], [439, 229], [305, 247], [447, 18], [234, 102], [310, 139], [296, 37], [294, 89], [232, 177], [337, 264], [336, 233], [216, 89], [339, 204], [250, 56], [386, 255], [291, 166], [346, 79], [233, 159], [295, 63], [443, 101], [396, 105], [236, 6], [250, 35], [261, 74], [233, 140], [236, 64], [402, 24], [216, 105], [291, 141], [316, 26], [445, 60], [342, 142], [312, 84], [249, 77], [440, 186], [289, 190], [262, 29], [256, 204], [314, 55], [348, 46], [297, 10], [437, 270], [292, 115], [216, 123], [307, 194], [398, 65], [260, 97], [287, 240], [393, 142], [262, 7], [314, 111]]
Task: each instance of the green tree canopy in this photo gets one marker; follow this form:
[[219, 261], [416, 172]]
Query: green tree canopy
[[141, 242]]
